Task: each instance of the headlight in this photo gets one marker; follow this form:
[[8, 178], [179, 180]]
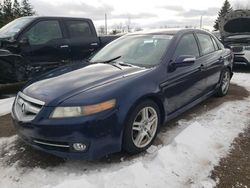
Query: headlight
[[76, 111]]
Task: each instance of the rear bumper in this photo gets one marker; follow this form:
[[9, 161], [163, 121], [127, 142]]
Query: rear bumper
[[99, 134]]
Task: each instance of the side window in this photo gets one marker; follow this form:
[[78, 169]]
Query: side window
[[44, 32], [215, 44], [187, 46], [78, 29], [206, 43]]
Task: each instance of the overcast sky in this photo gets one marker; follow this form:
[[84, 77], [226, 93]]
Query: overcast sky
[[142, 13]]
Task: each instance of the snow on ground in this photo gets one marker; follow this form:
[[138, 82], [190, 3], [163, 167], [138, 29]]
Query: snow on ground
[[189, 152], [5, 105]]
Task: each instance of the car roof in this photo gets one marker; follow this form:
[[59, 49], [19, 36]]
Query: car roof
[[57, 17], [171, 31]]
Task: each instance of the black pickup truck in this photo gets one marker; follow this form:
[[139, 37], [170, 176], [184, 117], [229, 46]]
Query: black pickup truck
[[30, 46]]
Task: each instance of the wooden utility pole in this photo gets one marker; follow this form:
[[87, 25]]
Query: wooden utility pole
[[106, 24], [201, 22]]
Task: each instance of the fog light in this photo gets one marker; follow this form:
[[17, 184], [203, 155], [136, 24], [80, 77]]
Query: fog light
[[79, 146]]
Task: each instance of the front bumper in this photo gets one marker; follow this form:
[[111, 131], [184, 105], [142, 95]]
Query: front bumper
[[100, 133]]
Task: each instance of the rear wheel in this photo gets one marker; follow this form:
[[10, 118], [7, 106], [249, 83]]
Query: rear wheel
[[142, 127], [224, 84]]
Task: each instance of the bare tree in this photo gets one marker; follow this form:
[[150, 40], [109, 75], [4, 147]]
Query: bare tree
[[128, 24], [101, 30], [239, 5]]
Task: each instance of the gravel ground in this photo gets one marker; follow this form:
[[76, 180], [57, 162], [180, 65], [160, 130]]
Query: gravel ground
[[234, 170]]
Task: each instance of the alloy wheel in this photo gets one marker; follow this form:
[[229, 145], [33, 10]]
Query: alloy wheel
[[144, 127]]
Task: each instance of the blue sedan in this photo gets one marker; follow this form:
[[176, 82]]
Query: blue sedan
[[119, 98]]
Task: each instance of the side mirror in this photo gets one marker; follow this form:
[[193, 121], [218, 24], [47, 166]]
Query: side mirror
[[24, 41], [184, 60]]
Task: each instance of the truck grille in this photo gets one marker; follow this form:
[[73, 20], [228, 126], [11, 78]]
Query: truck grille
[[26, 108], [237, 49]]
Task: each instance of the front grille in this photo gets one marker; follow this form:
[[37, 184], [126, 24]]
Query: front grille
[[26, 108], [237, 49]]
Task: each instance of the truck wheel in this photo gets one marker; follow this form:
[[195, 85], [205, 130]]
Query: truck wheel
[[6, 72], [142, 127], [224, 83]]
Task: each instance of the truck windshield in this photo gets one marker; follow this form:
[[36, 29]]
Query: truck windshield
[[14, 27], [140, 50]]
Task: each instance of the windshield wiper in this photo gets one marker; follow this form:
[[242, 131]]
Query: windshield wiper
[[108, 61], [111, 60]]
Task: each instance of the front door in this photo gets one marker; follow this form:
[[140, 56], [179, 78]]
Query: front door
[[185, 84], [45, 43]]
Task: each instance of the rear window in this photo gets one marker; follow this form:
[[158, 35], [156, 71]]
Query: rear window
[[78, 29]]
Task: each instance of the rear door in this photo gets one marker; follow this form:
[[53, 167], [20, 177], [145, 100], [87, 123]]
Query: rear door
[[46, 43], [82, 36], [211, 58], [185, 84]]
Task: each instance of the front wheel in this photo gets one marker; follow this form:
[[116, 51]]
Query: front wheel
[[142, 127], [224, 84]]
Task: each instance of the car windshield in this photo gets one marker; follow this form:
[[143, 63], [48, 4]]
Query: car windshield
[[139, 50], [14, 27]]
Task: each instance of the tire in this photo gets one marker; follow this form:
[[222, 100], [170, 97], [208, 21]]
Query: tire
[[224, 83], [139, 132], [6, 72]]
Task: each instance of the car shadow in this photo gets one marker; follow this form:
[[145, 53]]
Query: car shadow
[[241, 69], [25, 156]]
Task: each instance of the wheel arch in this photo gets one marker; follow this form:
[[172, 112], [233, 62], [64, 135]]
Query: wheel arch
[[153, 97], [150, 97], [230, 69]]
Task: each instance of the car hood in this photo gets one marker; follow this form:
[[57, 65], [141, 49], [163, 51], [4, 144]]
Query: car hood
[[69, 81], [235, 23]]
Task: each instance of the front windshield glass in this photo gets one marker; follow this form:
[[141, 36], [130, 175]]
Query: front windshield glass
[[139, 50], [14, 27]]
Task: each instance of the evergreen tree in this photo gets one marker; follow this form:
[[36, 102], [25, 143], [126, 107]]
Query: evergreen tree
[[7, 11], [27, 9], [17, 11], [226, 8]]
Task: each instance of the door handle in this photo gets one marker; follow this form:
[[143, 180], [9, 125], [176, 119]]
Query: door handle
[[202, 67], [94, 44], [64, 46]]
